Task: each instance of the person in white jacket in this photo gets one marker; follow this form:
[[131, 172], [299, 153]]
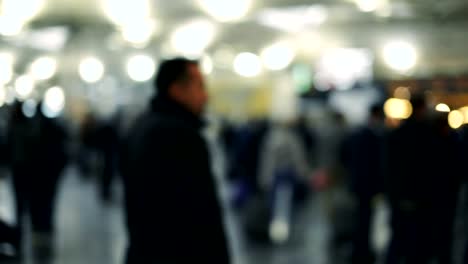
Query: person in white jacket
[[282, 148], [283, 163]]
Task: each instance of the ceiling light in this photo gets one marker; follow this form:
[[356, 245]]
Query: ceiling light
[[464, 111], [43, 68], [226, 10], [277, 56], [317, 14], [247, 64], [139, 33], [6, 67], [141, 68], [91, 70], [54, 102], [24, 86], [370, 5], [21, 10], [3, 96], [398, 108], [455, 119], [10, 27], [293, 19], [29, 108], [16, 13], [343, 67], [400, 56], [125, 12], [192, 38], [207, 64], [442, 108]]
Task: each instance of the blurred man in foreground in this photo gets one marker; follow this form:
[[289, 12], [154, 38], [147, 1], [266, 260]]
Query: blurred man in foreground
[[173, 213]]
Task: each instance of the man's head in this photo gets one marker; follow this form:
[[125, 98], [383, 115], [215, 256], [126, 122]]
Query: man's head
[[180, 80]]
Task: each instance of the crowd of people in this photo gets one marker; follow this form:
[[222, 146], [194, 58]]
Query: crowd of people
[[171, 200], [415, 167]]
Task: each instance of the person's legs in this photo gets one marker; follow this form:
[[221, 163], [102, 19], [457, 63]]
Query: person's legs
[[465, 254], [43, 205], [108, 175], [22, 198], [43, 212], [131, 256], [362, 252], [395, 250], [444, 239], [419, 247]]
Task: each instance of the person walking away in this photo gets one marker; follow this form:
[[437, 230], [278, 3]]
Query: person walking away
[[363, 162]]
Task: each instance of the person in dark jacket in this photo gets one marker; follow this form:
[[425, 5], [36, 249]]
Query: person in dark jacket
[[363, 161], [172, 209], [38, 156], [411, 187], [448, 170], [107, 135], [244, 166]]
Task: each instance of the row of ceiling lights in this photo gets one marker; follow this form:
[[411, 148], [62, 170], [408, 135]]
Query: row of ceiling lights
[[140, 68], [136, 20], [189, 39]]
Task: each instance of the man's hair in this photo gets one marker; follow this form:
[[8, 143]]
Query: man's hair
[[171, 71]]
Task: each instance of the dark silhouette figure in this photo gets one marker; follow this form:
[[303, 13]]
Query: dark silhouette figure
[[308, 137], [244, 164], [410, 182], [173, 213], [421, 189], [363, 161], [448, 176], [89, 144], [108, 138], [37, 150], [463, 147], [102, 138]]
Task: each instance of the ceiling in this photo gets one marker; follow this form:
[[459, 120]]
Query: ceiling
[[73, 29], [436, 27]]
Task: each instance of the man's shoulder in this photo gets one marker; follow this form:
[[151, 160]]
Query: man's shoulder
[[159, 126]]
